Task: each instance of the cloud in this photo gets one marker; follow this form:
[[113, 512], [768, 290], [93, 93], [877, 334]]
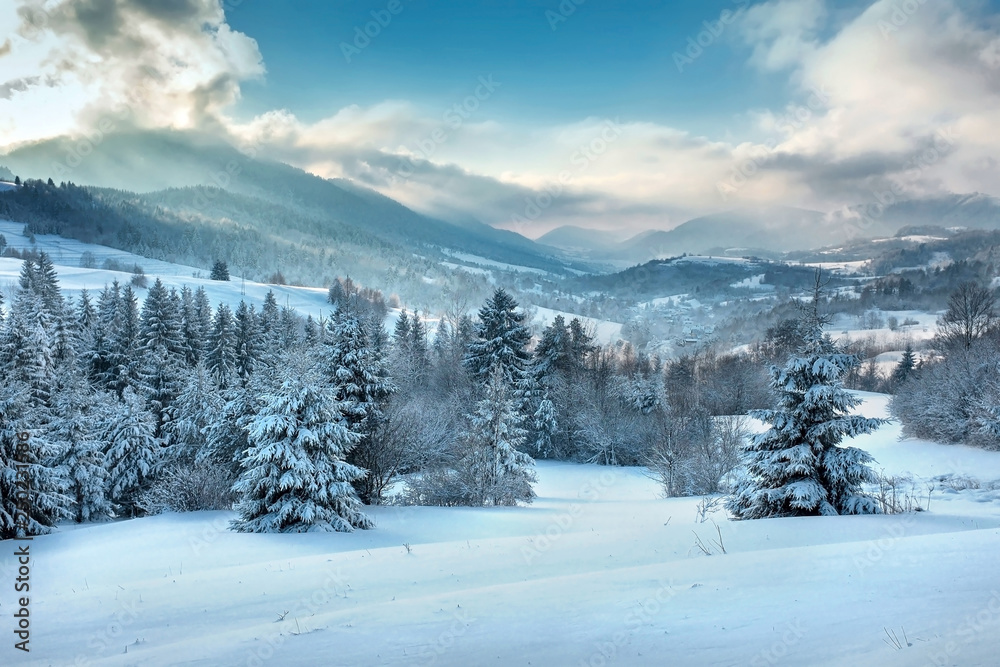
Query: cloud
[[5, 48], [170, 63], [889, 95]]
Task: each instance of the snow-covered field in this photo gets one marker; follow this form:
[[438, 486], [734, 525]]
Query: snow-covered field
[[845, 329], [599, 570]]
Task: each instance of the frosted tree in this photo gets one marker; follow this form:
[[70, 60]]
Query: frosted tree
[[247, 341], [47, 504], [121, 322], [501, 341], [192, 414], [132, 452], [222, 348], [493, 471], [798, 466], [357, 372], [162, 352], [295, 477], [546, 426], [25, 349], [76, 428]]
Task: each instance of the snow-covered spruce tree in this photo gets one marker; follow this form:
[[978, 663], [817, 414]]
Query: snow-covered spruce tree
[[162, 352], [501, 339], [247, 340], [192, 413], [295, 477], [357, 373], [546, 426], [47, 503], [798, 467], [132, 452], [75, 429], [492, 470], [222, 348]]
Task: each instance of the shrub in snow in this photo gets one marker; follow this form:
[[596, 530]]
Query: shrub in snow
[[797, 467], [188, 487]]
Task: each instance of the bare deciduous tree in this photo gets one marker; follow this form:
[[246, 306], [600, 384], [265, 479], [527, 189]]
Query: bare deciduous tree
[[970, 315]]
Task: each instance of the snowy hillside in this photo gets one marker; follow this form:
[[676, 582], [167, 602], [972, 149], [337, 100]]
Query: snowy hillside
[[66, 255], [600, 570]]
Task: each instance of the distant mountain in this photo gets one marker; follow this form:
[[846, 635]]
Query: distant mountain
[[775, 230], [179, 170], [972, 211], [579, 239], [761, 231]]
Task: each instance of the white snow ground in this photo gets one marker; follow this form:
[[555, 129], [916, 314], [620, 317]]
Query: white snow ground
[[598, 571]]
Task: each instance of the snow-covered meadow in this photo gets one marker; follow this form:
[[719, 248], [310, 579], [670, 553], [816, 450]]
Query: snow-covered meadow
[[600, 570]]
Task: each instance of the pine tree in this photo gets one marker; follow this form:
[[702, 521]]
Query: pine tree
[[270, 314], [98, 362], [192, 414], [310, 332], [162, 352], [248, 342], [288, 330], [401, 335], [904, 369], [492, 470], [294, 474], [25, 350], [442, 339], [204, 318], [132, 452], [418, 346], [546, 426], [86, 321], [76, 429], [220, 271], [47, 286], [501, 341], [26, 464], [222, 348], [357, 372], [798, 467], [191, 328], [123, 367]]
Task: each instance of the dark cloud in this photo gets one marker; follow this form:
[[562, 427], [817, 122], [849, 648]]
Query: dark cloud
[[99, 20], [8, 89], [5, 48]]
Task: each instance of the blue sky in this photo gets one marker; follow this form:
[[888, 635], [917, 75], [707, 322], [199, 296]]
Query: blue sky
[[604, 59], [819, 104]]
